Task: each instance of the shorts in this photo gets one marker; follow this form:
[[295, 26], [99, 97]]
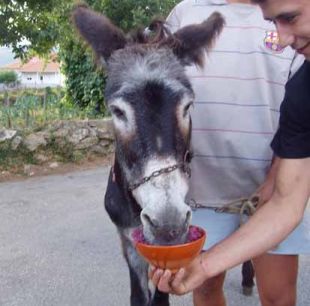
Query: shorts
[[220, 225]]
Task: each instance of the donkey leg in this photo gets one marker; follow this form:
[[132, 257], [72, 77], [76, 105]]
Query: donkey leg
[[138, 272], [160, 299], [248, 274], [139, 295], [143, 292], [142, 296]]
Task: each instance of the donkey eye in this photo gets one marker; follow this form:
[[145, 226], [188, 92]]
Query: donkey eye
[[186, 109], [117, 112]]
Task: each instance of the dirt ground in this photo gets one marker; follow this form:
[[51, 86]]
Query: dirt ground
[[55, 168]]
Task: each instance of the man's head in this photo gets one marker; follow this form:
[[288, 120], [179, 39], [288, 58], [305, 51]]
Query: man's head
[[292, 19]]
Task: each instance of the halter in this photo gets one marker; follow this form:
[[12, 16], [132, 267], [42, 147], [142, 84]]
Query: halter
[[184, 166]]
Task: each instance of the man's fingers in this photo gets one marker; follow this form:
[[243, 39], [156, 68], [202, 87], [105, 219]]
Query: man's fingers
[[178, 278], [155, 275], [164, 282]]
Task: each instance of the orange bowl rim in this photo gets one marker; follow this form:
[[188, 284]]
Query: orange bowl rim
[[176, 246]]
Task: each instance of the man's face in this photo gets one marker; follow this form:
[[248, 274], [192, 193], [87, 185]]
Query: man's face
[[292, 19]]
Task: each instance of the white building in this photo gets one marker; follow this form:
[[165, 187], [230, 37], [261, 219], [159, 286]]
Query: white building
[[37, 72]]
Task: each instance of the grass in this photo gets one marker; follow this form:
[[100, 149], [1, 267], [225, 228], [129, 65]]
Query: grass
[[14, 160], [30, 111], [64, 152], [33, 109]]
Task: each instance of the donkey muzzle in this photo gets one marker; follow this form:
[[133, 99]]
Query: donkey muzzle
[[167, 228]]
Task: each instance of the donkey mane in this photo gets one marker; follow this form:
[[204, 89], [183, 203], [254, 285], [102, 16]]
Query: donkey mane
[[155, 34], [186, 44], [159, 35]]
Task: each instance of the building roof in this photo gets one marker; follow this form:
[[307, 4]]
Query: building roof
[[36, 64], [12, 66]]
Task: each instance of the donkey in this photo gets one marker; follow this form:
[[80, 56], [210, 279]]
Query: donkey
[[149, 97]]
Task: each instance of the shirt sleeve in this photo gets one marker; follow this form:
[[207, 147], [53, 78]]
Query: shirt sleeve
[[287, 145], [292, 139], [297, 62]]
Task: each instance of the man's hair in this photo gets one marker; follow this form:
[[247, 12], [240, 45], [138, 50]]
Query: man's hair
[[258, 1]]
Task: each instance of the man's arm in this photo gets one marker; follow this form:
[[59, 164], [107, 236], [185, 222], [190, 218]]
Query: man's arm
[[268, 227], [272, 222], [265, 190]]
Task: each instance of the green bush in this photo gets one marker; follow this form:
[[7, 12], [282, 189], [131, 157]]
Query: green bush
[[84, 81], [8, 77]]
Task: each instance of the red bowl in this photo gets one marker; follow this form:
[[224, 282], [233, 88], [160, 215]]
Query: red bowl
[[173, 257]]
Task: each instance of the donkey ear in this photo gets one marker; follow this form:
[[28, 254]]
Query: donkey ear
[[98, 31], [193, 40]]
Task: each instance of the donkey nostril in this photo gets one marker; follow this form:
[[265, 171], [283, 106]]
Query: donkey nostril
[[174, 233], [188, 217], [148, 220]]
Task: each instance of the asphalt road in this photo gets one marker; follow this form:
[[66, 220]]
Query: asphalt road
[[58, 247]]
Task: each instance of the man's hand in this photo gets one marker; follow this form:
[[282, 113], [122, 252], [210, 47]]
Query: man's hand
[[184, 281]]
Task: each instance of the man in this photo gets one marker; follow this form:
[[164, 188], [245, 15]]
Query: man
[[291, 180]]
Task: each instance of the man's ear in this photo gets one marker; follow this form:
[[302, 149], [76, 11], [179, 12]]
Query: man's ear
[[192, 41], [98, 31]]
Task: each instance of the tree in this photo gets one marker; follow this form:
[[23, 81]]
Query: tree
[[38, 26], [134, 13], [8, 77], [26, 25]]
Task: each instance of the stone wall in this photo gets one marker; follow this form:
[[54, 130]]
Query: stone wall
[[92, 136]]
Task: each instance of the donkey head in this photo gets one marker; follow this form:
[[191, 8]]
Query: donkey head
[[149, 97]]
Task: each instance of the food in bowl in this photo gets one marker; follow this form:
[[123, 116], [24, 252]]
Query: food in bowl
[[171, 257]]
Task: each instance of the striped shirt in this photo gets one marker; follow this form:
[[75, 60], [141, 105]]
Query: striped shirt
[[238, 96]]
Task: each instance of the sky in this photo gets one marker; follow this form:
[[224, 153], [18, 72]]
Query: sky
[[6, 56]]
